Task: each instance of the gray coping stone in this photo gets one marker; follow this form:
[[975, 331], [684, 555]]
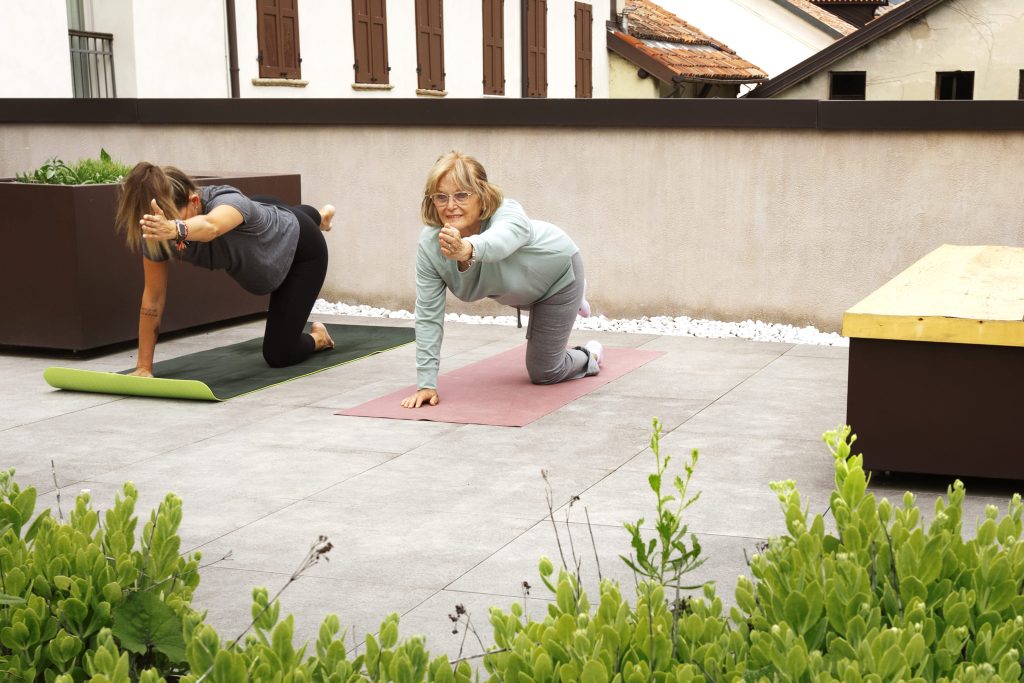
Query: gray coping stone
[[422, 514]]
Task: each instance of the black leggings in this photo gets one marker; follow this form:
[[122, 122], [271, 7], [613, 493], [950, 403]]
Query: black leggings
[[284, 342]]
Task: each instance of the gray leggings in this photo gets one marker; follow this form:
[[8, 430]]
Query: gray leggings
[[548, 361]]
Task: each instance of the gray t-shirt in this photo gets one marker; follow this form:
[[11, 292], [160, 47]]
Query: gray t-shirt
[[258, 253]]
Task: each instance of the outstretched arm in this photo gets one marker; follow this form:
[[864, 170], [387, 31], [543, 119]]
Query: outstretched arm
[[154, 296], [205, 227]]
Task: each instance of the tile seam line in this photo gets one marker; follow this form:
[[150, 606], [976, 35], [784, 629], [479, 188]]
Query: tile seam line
[[642, 449], [72, 412]]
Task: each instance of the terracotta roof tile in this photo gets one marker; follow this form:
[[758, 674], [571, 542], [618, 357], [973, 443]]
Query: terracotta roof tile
[[683, 48], [824, 16]]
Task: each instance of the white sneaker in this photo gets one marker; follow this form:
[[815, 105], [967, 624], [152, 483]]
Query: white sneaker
[[596, 350]]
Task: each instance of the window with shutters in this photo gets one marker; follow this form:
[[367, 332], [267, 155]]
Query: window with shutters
[[584, 50], [536, 48], [494, 47], [430, 44], [370, 38], [277, 31]]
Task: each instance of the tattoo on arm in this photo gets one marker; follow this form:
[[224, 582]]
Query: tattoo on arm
[[150, 312]]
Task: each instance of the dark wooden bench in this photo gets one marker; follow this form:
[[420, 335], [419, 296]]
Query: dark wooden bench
[[936, 373]]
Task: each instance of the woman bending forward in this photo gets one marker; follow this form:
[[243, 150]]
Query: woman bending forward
[[264, 245], [478, 244]]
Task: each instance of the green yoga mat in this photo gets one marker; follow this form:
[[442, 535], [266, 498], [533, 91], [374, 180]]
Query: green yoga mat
[[230, 371]]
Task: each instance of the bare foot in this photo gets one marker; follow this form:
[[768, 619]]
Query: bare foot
[[326, 216], [319, 333]]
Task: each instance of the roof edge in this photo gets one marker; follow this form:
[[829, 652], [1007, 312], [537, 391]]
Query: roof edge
[[811, 19], [622, 47], [874, 30], [644, 61]]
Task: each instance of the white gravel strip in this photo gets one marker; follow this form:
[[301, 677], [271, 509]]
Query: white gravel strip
[[679, 326]]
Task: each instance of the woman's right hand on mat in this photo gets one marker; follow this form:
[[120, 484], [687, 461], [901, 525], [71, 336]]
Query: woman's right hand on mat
[[422, 396], [140, 372]]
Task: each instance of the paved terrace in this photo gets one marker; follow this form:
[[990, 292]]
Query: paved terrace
[[425, 515]]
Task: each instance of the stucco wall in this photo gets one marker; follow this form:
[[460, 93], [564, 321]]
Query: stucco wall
[[623, 81], [35, 57], [983, 36], [783, 225]]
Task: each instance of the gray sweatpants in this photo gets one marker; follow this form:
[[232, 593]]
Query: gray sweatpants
[[547, 359]]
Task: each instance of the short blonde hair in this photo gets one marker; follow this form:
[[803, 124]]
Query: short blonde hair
[[468, 174]]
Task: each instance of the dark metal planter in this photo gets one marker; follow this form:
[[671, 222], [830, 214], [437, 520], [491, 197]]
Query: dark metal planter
[[67, 280], [934, 408]]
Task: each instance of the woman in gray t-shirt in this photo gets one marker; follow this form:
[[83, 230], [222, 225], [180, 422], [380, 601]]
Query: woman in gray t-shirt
[[264, 245]]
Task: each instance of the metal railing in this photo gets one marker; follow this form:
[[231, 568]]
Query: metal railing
[[92, 64]]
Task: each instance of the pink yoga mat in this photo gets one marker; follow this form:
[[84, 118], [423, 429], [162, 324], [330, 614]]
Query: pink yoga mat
[[497, 391]]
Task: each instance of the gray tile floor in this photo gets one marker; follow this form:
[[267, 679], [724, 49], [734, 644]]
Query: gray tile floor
[[425, 515]]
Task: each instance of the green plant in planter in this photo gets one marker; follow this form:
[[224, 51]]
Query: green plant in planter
[[83, 172]]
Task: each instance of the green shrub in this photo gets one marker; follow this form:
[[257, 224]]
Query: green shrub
[[69, 587], [83, 172], [884, 598]]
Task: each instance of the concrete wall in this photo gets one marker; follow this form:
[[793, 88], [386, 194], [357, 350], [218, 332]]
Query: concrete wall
[[784, 225], [35, 58], [983, 36]]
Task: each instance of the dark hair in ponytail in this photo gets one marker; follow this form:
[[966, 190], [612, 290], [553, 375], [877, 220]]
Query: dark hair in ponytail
[[169, 186]]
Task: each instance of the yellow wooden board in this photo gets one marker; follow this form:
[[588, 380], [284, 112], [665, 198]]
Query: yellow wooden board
[[955, 294]]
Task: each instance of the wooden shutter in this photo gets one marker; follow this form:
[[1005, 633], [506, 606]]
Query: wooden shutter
[[370, 38], [536, 48], [584, 50], [494, 47], [430, 44], [277, 31]]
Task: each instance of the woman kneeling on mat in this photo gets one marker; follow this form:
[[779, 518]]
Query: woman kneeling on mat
[[266, 246], [478, 244]]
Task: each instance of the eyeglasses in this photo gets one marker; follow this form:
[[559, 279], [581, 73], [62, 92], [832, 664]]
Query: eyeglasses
[[460, 198]]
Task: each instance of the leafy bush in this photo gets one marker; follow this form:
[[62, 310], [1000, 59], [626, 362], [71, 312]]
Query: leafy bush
[[67, 587], [83, 172], [884, 598]]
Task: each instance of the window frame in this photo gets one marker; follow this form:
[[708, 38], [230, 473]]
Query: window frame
[[957, 78], [373, 73], [264, 8], [584, 49], [493, 47], [432, 77], [846, 74]]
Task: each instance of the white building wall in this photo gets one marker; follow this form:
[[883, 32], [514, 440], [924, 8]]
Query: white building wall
[[983, 36], [163, 53], [35, 59], [180, 49], [760, 31], [117, 17]]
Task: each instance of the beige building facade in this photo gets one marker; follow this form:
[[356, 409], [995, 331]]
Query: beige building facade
[[981, 41]]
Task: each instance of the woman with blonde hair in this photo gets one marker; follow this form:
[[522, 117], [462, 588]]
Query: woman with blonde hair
[[264, 245], [479, 244]]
